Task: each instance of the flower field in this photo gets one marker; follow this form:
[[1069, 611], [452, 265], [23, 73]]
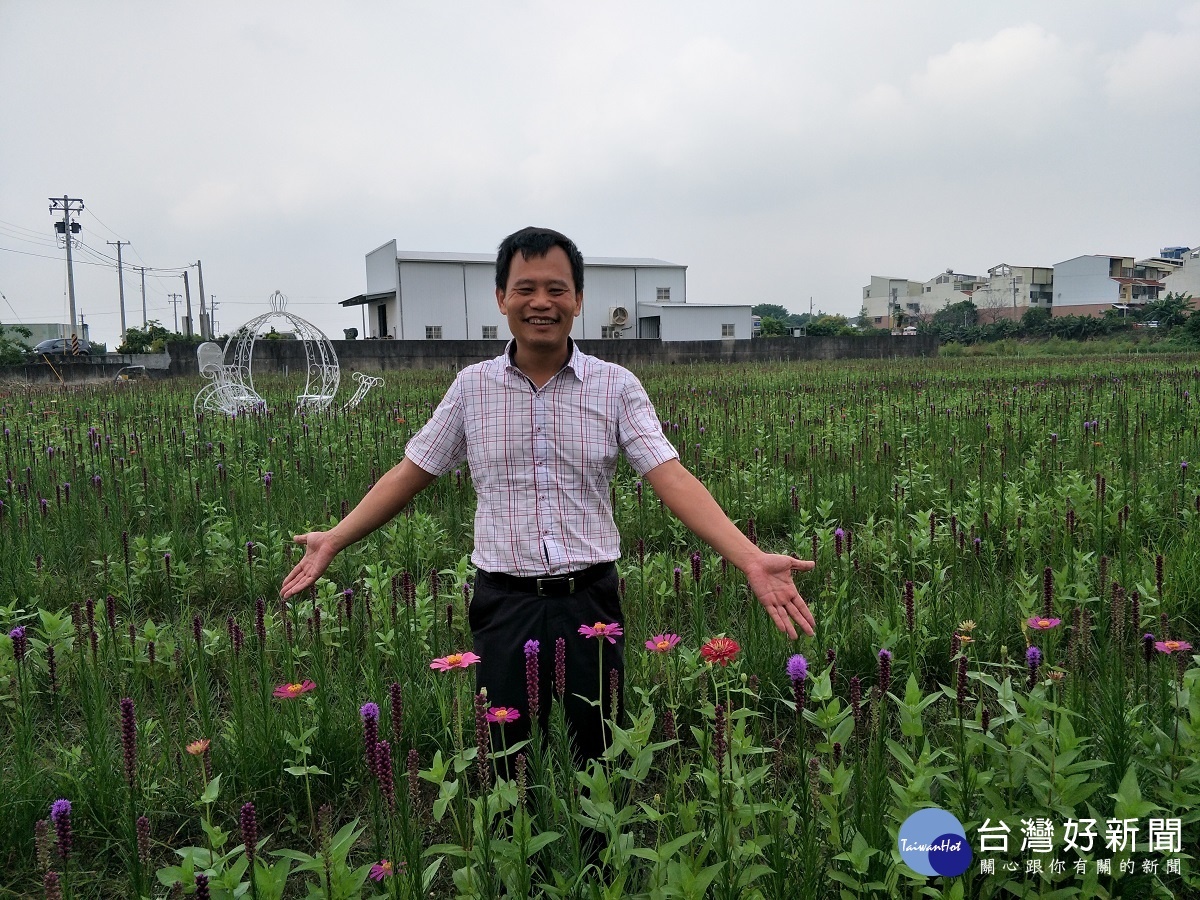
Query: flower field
[[1007, 593]]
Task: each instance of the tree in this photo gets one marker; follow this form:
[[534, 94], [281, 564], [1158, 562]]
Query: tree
[[772, 327], [1168, 311], [770, 311], [13, 345], [152, 338]]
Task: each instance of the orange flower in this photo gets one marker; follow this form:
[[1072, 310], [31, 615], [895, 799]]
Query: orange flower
[[197, 748], [720, 650]]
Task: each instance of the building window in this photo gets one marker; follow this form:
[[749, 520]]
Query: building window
[[489, 332], [664, 294], [878, 319], [433, 332], [608, 332], [727, 331]]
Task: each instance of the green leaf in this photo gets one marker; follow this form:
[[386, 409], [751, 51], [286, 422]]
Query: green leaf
[[212, 791]]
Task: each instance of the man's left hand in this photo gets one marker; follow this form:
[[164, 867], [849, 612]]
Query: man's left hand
[[770, 577]]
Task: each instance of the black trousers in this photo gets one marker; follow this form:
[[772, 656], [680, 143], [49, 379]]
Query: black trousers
[[503, 618]]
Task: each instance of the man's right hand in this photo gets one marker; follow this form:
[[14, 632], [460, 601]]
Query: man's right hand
[[319, 551]]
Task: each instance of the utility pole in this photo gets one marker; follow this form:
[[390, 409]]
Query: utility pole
[[205, 330], [212, 315], [144, 322], [175, 303], [66, 228], [120, 282], [187, 294]]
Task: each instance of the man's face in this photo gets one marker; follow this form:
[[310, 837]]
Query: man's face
[[540, 301]]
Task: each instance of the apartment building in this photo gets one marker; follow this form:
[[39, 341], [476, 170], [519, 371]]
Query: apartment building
[[885, 296], [1008, 291], [1091, 285]]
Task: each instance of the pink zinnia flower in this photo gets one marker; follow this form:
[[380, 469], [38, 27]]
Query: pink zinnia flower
[[612, 631], [1171, 646], [382, 870], [293, 690], [661, 643], [502, 715], [454, 661], [1041, 623], [720, 650]]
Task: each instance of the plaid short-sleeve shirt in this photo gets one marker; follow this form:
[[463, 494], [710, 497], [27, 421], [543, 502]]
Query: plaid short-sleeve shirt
[[542, 459]]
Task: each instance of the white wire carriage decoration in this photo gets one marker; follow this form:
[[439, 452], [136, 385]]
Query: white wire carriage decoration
[[230, 369]]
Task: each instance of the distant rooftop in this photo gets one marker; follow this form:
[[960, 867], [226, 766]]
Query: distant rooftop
[[490, 258]]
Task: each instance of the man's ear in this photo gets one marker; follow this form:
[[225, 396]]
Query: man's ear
[[578, 303], [500, 302]]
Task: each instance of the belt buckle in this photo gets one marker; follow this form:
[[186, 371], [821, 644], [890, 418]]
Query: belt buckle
[[544, 584]]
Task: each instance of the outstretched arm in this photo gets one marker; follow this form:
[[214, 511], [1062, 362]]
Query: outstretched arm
[[391, 493], [769, 574]]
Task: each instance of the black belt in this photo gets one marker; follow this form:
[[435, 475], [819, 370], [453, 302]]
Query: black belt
[[551, 585]]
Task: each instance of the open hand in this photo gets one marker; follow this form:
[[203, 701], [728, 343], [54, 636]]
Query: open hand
[[770, 577], [319, 551]]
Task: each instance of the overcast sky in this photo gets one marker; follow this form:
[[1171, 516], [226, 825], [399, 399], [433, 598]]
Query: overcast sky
[[780, 151]]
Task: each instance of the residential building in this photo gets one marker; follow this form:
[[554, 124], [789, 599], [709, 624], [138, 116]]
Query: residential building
[[1091, 285], [415, 295], [887, 300], [1184, 279], [1008, 291], [948, 288]]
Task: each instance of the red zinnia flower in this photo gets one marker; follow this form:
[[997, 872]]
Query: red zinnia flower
[[720, 650], [293, 690]]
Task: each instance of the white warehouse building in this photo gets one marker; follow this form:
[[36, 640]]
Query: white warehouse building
[[418, 296]]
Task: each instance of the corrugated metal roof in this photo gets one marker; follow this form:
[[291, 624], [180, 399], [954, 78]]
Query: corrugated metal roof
[[490, 258]]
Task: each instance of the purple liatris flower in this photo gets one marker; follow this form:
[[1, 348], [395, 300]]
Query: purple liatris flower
[[249, 823], [697, 561], [560, 667], [885, 671], [370, 719], [1148, 647], [414, 777], [51, 887], [839, 536], [482, 743], [909, 607], [797, 668], [383, 771], [202, 887], [532, 687], [143, 840], [129, 739], [60, 818], [20, 643], [678, 580], [1033, 659]]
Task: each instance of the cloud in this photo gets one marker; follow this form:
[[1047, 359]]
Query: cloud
[[1159, 72]]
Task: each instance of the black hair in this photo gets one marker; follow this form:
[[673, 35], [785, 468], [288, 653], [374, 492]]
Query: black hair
[[536, 242]]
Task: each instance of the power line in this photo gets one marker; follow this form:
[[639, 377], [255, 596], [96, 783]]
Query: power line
[[82, 262]]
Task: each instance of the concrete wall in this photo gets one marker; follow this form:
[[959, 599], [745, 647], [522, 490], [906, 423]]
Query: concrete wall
[[271, 357], [1186, 279], [90, 369]]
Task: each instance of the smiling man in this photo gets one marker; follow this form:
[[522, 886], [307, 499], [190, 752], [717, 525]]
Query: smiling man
[[541, 427]]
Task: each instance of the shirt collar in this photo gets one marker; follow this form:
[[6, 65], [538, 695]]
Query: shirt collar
[[578, 362]]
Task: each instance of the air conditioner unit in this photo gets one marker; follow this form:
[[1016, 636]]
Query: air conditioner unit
[[617, 315]]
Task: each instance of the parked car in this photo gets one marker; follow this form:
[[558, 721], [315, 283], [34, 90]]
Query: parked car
[[59, 347]]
